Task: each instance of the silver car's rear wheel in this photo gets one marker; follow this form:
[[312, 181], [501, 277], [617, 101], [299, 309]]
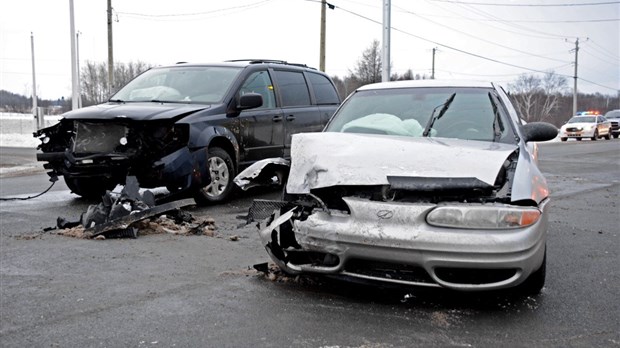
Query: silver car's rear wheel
[[221, 172]]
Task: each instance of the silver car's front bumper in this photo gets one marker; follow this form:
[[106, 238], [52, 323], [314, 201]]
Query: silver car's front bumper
[[392, 242]]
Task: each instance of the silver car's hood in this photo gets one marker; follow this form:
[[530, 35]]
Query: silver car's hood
[[332, 159]]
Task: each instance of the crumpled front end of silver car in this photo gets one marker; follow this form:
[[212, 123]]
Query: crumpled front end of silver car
[[463, 215]]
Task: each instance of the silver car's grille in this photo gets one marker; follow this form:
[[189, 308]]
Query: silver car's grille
[[385, 270]]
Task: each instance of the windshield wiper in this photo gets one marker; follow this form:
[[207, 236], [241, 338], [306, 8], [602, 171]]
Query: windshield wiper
[[497, 128], [116, 101], [434, 118]]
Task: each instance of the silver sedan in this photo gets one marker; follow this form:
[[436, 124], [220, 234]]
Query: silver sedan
[[421, 183]]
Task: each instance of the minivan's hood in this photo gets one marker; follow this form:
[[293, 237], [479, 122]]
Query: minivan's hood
[[134, 111], [332, 159]]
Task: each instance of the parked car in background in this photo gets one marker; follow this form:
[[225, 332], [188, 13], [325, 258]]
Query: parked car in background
[[613, 116], [593, 126], [188, 127], [424, 183]]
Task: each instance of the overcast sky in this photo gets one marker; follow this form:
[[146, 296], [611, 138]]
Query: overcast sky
[[475, 39]]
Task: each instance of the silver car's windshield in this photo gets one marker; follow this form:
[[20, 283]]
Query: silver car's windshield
[[191, 84], [472, 114]]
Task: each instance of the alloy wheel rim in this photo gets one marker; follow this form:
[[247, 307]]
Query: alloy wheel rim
[[219, 177]]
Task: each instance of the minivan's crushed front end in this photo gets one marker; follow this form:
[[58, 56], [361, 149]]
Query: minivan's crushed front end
[[95, 152], [464, 215]]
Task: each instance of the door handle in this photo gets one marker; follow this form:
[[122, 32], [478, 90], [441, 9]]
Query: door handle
[[277, 118], [290, 117]]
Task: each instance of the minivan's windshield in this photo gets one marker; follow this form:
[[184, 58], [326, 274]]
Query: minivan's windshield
[[185, 84], [462, 113]]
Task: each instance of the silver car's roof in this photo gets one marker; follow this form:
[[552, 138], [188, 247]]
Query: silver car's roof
[[427, 83]]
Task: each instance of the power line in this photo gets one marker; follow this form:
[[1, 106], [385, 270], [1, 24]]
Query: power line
[[501, 21], [531, 4], [482, 39], [601, 59], [466, 52], [243, 7], [604, 51]]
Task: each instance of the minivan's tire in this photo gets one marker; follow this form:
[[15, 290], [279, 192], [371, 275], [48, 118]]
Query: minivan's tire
[[535, 282], [595, 136], [222, 173], [91, 188]]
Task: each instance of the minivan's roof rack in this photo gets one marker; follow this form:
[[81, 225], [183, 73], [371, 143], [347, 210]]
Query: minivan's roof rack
[[267, 61]]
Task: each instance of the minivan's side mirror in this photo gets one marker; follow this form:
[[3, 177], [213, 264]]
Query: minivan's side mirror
[[538, 131], [250, 101]]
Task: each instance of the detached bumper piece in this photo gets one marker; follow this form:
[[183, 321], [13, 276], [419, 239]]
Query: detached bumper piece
[[114, 216]]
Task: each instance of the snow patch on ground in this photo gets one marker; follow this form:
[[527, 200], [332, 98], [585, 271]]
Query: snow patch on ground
[[16, 129]]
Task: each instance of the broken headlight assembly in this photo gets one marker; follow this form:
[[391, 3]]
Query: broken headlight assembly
[[483, 217]]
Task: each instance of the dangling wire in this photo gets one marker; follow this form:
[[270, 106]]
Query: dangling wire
[[53, 180]]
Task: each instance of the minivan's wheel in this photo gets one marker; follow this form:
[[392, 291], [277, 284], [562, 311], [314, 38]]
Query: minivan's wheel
[[595, 136], [535, 282], [608, 136], [92, 188], [222, 174]]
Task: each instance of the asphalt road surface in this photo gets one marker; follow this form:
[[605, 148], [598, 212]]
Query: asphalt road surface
[[166, 290]]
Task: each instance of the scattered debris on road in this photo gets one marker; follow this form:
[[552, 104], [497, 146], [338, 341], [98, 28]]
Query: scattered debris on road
[[130, 213]]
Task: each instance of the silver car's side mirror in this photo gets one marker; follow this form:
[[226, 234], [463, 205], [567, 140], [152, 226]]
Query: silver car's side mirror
[[538, 131]]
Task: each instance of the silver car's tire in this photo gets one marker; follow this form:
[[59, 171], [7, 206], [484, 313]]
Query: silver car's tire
[[595, 136], [222, 172]]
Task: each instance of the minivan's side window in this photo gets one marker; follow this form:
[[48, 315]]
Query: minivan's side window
[[323, 90], [292, 87], [260, 82]]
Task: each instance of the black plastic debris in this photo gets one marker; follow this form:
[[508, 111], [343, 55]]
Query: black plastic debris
[[112, 218], [262, 267]]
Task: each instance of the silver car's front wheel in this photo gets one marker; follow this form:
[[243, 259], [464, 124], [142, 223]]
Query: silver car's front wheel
[[221, 172]]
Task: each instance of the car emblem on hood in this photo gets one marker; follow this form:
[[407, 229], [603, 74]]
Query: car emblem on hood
[[385, 214]]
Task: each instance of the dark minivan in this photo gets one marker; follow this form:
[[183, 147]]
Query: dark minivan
[[188, 127]]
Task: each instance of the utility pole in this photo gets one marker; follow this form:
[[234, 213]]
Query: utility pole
[[79, 82], [74, 73], [110, 53], [575, 77], [322, 50], [385, 72], [324, 6], [34, 80], [433, 71]]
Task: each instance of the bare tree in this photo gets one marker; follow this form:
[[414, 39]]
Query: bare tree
[[554, 87], [523, 91], [94, 77], [536, 98], [369, 66]]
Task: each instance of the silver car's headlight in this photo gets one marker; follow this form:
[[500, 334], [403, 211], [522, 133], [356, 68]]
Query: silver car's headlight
[[482, 217]]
